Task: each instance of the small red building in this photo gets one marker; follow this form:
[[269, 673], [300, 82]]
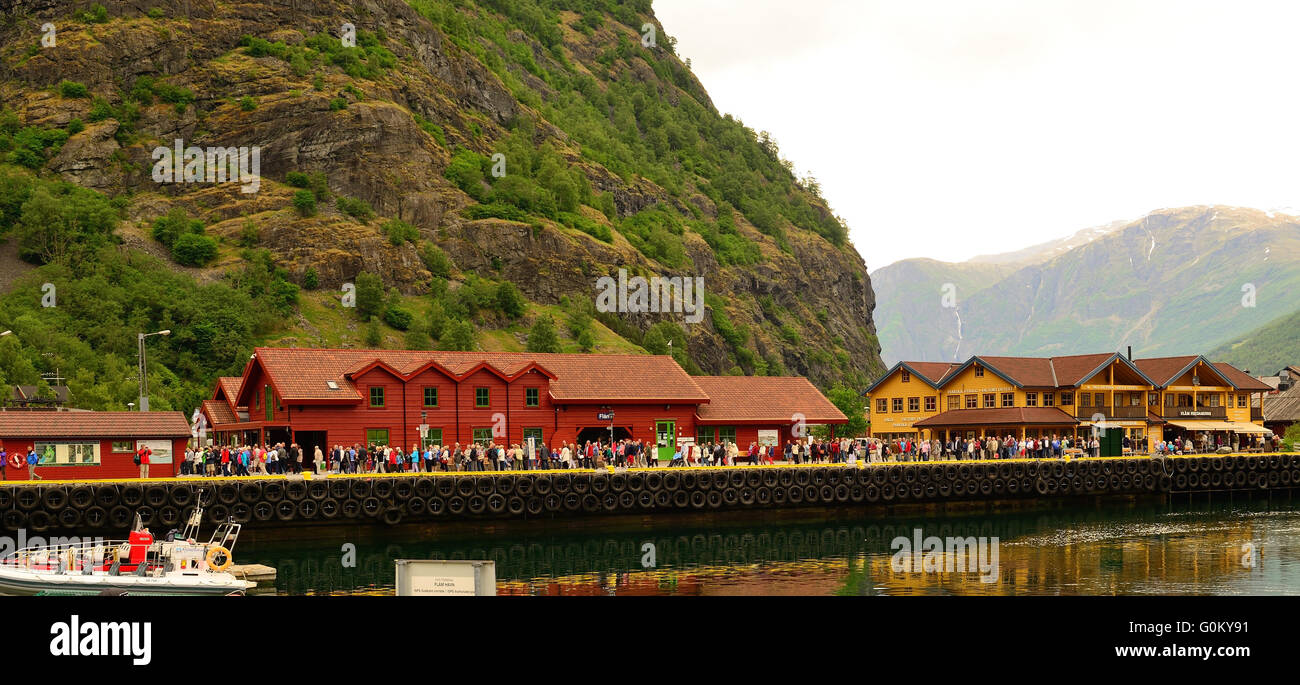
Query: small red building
[[94, 444], [326, 397]]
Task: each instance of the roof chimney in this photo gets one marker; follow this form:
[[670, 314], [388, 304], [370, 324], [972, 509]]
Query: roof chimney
[[1130, 353]]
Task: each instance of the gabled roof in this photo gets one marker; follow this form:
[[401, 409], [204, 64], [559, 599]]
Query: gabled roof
[[1164, 370], [765, 399], [98, 424], [931, 373], [230, 386], [219, 412], [1240, 379], [1284, 406], [1068, 368], [303, 374]]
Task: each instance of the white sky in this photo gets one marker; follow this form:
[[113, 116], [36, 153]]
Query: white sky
[[951, 128]]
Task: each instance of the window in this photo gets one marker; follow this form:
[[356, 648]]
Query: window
[[430, 397], [481, 396], [954, 402], [979, 372], [1170, 400], [376, 436], [377, 396], [1243, 400], [123, 446], [1214, 400], [705, 434], [1031, 399], [1153, 399], [433, 437], [904, 377], [726, 434], [930, 404], [1099, 400], [914, 404], [882, 406], [532, 397], [990, 400], [1049, 399], [67, 454], [1085, 399], [535, 434], [269, 401], [972, 401], [483, 435], [897, 404], [1067, 399], [1008, 399]]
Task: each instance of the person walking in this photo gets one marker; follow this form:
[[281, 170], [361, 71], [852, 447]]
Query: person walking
[[32, 461]]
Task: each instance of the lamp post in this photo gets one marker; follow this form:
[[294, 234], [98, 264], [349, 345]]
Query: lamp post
[[144, 382]]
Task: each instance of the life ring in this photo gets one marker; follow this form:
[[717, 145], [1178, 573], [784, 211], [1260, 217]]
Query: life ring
[[212, 553], [17, 460]]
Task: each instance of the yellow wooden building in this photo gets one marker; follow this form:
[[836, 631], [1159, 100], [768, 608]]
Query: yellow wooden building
[[1044, 397]]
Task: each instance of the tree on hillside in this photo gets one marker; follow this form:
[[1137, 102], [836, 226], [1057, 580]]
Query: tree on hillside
[[370, 295], [459, 335], [542, 337]]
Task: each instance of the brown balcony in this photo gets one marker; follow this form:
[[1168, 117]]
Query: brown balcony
[[1256, 415], [1194, 412], [1121, 412]]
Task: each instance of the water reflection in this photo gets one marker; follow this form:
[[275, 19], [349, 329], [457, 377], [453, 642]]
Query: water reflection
[[1241, 548]]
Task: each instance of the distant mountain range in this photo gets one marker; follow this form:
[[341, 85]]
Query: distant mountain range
[[1177, 281]]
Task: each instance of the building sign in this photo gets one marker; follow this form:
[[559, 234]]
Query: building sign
[[768, 437], [445, 578], [1191, 412], [160, 450], [605, 416]]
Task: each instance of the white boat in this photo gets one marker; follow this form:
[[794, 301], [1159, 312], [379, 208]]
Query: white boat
[[139, 565]]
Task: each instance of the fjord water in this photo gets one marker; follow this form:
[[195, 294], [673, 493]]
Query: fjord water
[[1197, 547]]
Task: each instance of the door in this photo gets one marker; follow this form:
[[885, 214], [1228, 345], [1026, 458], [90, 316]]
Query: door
[[666, 439]]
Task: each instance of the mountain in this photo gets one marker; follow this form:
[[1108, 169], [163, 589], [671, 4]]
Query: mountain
[[913, 318], [1177, 281], [1266, 349], [470, 167], [1042, 252]]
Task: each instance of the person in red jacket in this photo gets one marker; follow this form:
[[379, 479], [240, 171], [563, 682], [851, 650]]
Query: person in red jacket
[[142, 458]]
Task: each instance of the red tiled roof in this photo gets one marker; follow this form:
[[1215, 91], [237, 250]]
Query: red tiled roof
[[935, 371], [302, 373], [1241, 379], [1072, 369], [764, 399], [230, 384], [1045, 416], [1027, 371], [1164, 369], [99, 424], [219, 412]]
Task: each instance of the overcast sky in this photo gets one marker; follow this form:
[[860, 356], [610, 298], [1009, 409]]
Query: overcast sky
[[951, 128]]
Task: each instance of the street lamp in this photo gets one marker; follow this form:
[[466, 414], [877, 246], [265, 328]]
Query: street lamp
[[144, 382]]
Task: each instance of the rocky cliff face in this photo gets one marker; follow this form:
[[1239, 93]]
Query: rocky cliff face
[[385, 134]]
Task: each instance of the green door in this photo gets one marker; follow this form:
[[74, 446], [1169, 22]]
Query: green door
[[1112, 443], [666, 439]]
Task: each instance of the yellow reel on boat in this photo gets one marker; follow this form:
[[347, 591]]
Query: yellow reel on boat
[[224, 565]]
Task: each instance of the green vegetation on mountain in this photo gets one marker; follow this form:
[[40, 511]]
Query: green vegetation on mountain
[[469, 167], [1265, 350]]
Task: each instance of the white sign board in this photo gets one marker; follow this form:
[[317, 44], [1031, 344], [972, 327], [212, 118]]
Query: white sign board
[[160, 450], [767, 437], [445, 578]]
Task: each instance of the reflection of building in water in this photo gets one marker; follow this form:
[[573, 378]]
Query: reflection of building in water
[[1178, 557]]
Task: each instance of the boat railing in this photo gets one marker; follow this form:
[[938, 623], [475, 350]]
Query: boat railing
[[76, 557]]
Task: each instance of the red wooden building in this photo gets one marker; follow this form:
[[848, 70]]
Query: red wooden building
[[332, 397], [94, 444]]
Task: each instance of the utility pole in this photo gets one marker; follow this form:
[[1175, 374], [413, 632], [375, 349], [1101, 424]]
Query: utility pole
[[143, 368]]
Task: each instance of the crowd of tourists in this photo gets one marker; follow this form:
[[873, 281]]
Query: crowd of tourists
[[986, 447], [279, 458]]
